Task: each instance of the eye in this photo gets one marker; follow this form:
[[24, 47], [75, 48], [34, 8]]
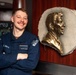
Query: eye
[[25, 18], [18, 16]]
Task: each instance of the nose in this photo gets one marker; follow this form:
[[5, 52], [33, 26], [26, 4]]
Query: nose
[[64, 25], [22, 19]]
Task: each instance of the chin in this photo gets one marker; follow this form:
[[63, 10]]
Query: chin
[[21, 29]]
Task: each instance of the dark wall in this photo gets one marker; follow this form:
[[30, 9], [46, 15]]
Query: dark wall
[[48, 54], [29, 10]]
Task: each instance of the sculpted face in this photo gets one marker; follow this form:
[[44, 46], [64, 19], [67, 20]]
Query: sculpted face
[[59, 24], [55, 22]]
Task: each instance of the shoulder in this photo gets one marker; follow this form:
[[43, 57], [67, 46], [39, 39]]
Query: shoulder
[[31, 37], [29, 34]]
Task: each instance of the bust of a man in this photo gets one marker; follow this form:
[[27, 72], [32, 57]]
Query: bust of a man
[[55, 26]]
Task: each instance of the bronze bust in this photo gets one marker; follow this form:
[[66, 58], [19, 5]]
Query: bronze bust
[[55, 26]]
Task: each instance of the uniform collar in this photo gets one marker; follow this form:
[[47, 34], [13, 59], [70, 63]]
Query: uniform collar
[[20, 39]]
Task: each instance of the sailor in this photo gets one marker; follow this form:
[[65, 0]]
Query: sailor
[[19, 49]]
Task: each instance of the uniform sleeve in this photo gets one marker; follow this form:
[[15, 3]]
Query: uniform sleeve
[[6, 59], [33, 57]]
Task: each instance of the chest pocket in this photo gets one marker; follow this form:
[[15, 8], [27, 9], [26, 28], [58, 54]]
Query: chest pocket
[[23, 48]]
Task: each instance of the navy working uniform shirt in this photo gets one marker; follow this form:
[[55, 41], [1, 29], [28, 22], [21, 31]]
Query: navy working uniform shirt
[[10, 47]]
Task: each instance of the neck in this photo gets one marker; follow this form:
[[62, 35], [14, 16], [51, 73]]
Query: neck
[[17, 33], [53, 34]]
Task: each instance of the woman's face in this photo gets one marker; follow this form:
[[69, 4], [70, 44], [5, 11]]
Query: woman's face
[[20, 20]]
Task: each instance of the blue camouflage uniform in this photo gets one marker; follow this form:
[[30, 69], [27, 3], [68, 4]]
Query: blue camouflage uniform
[[10, 47]]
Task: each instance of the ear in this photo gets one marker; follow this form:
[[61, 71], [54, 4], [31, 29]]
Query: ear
[[12, 18], [51, 26]]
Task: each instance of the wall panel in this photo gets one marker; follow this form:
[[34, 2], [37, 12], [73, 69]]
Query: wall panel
[[46, 53]]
